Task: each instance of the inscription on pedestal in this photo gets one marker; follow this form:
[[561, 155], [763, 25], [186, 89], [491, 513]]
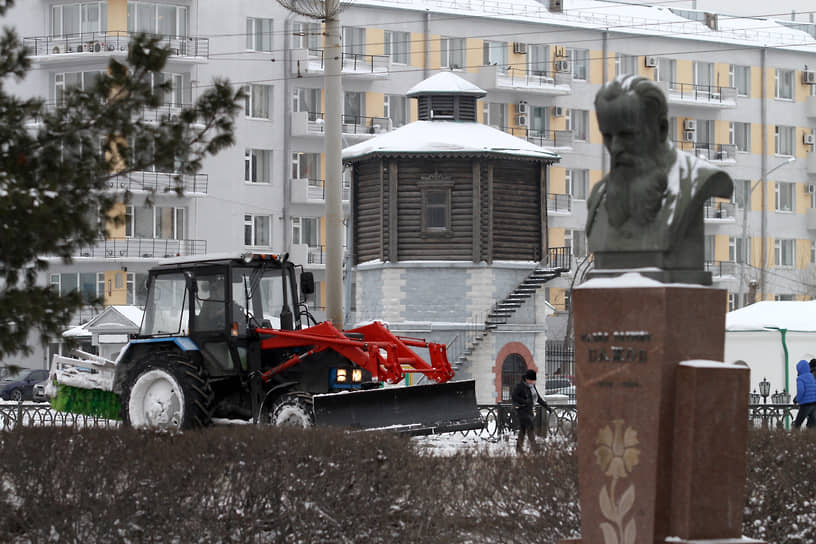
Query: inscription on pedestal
[[616, 347]]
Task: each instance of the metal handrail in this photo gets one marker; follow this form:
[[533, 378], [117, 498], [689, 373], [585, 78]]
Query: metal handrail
[[559, 203], [160, 181], [111, 42], [148, 248]]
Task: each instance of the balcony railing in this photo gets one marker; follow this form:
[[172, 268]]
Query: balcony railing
[[711, 95], [160, 182], [720, 269], [554, 82], [354, 62], [148, 248], [100, 43], [707, 151], [720, 210], [559, 203], [317, 254], [350, 124]]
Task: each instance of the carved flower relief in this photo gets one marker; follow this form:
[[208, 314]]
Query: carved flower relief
[[616, 452]]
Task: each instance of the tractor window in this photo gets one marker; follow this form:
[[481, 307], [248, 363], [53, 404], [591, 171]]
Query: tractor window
[[166, 307], [210, 302], [261, 290]]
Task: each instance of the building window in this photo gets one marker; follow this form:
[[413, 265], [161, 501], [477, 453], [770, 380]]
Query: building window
[[812, 252], [784, 252], [73, 19], [495, 114], [136, 289], [576, 241], [436, 209], [452, 53], [538, 59], [161, 222], [742, 188], [259, 34], [353, 108], [784, 140], [354, 40], [164, 19], [710, 246], [84, 282], [65, 81], [666, 71], [704, 74], [705, 132], [306, 230], [258, 101], [625, 64], [736, 249], [578, 123], [307, 36], [395, 107], [307, 100], [539, 121], [577, 182], [784, 196], [257, 165], [739, 134], [398, 46], [739, 77], [785, 298], [783, 84], [495, 53], [257, 230], [513, 368], [306, 166], [579, 59]]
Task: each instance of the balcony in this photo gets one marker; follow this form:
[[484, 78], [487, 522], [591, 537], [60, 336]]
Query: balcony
[[543, 138], [810, 106], [560, 204], [146, 248], [306, 62], [309, 123], [496, 77], [720, 212], [310, 191], [722, 269], [135, 182], [688, 94], [811, 162], [77, 48], [718, 153]]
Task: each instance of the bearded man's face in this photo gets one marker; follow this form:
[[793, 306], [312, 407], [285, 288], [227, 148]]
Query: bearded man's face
[[637, 150]]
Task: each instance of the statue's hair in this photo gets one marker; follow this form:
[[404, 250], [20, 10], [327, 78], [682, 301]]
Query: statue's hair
[[652, 99]]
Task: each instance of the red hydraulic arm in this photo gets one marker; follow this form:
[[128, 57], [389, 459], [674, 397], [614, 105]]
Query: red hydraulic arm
[[381, 353]]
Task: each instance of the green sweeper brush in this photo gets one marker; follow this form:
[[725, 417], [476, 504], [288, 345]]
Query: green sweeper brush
[[84, 385]]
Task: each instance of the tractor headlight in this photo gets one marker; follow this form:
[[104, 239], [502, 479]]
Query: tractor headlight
[[356, 375], [341, 375]]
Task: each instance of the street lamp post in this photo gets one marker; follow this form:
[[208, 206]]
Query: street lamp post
[[764, 390], [746, 250]]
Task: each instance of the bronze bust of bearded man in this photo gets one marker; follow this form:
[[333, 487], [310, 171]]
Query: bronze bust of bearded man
[[647, 212]]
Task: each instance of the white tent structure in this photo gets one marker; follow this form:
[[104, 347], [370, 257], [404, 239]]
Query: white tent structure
[[772, 336]]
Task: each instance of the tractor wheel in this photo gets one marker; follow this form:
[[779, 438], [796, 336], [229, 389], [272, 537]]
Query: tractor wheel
[[292, 410], [16, 395], [167, 391]]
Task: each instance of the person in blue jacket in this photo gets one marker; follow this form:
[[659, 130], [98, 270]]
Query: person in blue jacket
[[805, 395]]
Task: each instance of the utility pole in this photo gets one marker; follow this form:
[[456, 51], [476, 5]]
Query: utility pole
[[329, 12]]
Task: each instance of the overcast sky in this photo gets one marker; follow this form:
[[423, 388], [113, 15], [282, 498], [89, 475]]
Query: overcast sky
[[805, 9]]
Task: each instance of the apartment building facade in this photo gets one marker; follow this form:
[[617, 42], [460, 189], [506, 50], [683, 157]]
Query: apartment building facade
[[740, 94]]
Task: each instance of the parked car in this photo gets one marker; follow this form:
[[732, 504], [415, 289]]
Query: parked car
[[20, 386], [39, 391]]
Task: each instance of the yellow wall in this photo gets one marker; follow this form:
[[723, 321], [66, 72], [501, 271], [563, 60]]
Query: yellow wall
[[756, 82], [115, 287], [596, 67], [594, 177], [117, 15], [594, 130], [644, 70], [116, 230], [756, 138], [799, 142], [375, 104], [418, 50], [610, 65], [685, 71], [558, 123], [802, 253], [557, 237], [770, 83], [756, 196], [721, 132], [413, 110], [721, 247], [802, 90], [722, 74], [518, 62], [375, 41], [436, 52], [475, 53], [558, 184]]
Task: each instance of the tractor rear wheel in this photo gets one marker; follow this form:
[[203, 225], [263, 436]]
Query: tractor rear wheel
[[167, 391], [292, 410]]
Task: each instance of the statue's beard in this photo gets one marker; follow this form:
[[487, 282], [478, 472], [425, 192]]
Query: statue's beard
[[635, 192]]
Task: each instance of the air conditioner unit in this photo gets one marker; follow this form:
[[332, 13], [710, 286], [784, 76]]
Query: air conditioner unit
[[522, 120], [522, 108], [809, 77], [690, 124], [809, 138], [560, 51], [558, 111], [690, 136], [519, 47], [556, 6], [811, 188], [650, 61], [97, 47], [562, 66]]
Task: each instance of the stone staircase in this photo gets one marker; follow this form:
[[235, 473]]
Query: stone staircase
[[503, 310]]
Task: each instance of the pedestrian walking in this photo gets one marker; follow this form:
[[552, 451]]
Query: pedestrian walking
[[525, 397], [805, 395]]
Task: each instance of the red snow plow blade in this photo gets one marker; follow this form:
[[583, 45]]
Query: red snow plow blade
[[417, 409]]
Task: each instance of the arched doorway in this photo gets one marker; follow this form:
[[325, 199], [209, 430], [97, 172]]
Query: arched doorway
[[513, 368]]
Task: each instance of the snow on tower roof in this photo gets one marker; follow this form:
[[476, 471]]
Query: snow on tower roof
[[448, 138], [445, 83], [770, 314]]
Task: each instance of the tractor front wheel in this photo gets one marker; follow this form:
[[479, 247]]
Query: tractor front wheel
[[292, 410], [167, 391]]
